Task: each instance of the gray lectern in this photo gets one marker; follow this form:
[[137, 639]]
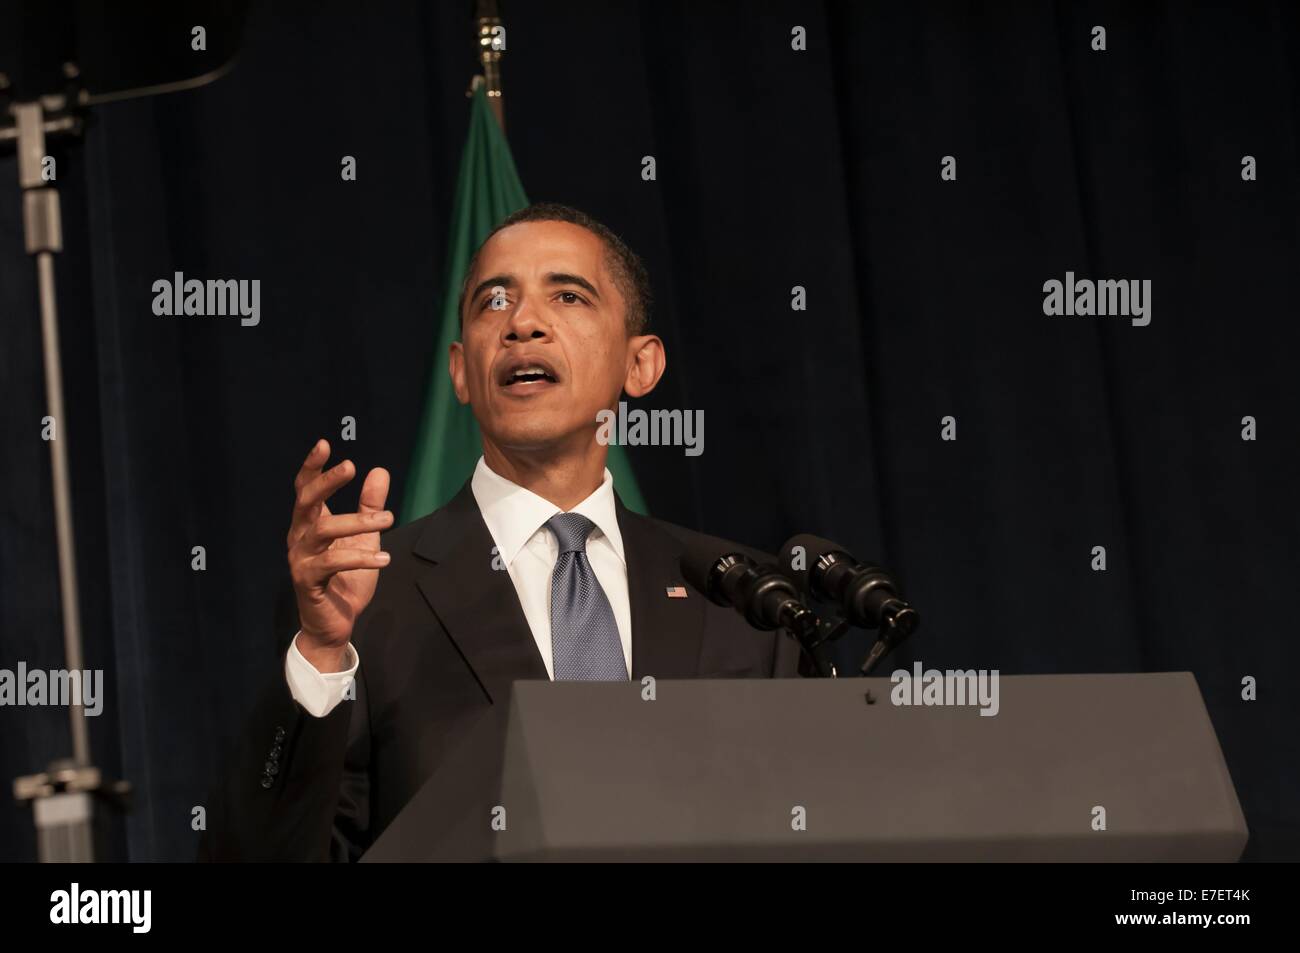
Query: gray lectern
[[1070, 768]]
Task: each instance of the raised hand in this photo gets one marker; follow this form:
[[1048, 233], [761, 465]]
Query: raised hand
[[334, 559]]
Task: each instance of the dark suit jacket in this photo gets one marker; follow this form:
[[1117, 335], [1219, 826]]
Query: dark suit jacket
[[443, 638]]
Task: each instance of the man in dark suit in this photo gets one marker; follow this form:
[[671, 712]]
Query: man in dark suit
[[535, 570]]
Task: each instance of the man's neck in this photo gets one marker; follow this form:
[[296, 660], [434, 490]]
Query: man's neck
[[562, 478]]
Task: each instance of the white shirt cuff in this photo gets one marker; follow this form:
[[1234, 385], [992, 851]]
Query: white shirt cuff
[[318, 693]]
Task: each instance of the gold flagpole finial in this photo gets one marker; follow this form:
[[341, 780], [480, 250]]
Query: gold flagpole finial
[[491, 35]]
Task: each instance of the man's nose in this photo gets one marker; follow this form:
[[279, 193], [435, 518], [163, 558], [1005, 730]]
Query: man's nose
[[525, 323]]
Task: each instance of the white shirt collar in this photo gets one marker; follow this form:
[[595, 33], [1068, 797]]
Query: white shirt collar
[[514, 514]]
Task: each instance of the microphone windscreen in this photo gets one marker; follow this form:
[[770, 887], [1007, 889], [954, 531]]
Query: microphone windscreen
[[801, 552], [699, 558]]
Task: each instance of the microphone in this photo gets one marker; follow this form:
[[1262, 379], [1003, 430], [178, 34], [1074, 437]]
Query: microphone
[[762, 594], [867, 594]]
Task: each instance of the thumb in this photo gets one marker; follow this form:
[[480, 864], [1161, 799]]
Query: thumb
[[374, 492]]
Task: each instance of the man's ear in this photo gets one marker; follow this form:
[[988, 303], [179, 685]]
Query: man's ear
[[647, 364], [456, 368]]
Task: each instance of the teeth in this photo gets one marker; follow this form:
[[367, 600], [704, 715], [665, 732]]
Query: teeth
[[533, 369]]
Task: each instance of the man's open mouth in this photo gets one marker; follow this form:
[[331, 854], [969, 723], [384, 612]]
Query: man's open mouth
[[528, 372]]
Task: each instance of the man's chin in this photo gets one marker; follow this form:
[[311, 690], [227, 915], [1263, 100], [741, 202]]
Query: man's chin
[[537, 436]]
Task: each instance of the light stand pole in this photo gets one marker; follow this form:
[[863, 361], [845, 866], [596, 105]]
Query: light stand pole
[[62, 796], [56, 62]]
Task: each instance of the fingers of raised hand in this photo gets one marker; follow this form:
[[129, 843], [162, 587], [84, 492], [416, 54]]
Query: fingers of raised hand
[[326, 529], [311, 466], [312, 495], [315, 571]]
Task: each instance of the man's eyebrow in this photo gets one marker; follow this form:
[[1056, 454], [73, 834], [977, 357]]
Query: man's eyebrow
[[560, 278], [505, 281]]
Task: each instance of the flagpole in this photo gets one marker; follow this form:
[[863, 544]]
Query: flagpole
[[491, 39]]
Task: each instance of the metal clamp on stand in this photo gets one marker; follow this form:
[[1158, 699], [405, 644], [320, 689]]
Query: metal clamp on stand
[[63, 801]]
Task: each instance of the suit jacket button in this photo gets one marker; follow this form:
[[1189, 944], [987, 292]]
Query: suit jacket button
[[275, 752], [267, 782], [272, 768], [279, 734]]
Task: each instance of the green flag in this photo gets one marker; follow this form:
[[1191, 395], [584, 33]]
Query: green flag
[[487, 190]]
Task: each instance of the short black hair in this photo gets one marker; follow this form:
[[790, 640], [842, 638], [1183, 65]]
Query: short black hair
[[624, 264]]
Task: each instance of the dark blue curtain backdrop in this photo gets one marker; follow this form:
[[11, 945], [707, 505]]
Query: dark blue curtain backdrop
[[775, 168]]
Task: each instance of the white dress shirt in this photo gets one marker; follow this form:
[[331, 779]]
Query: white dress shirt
[[516, 519]]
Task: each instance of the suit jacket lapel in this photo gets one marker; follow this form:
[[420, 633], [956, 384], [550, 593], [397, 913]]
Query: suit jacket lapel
[[480, 610], [666, 633], [476, 604]]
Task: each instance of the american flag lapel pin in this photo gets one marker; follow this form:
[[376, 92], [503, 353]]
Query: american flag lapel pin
[[676, 592]]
